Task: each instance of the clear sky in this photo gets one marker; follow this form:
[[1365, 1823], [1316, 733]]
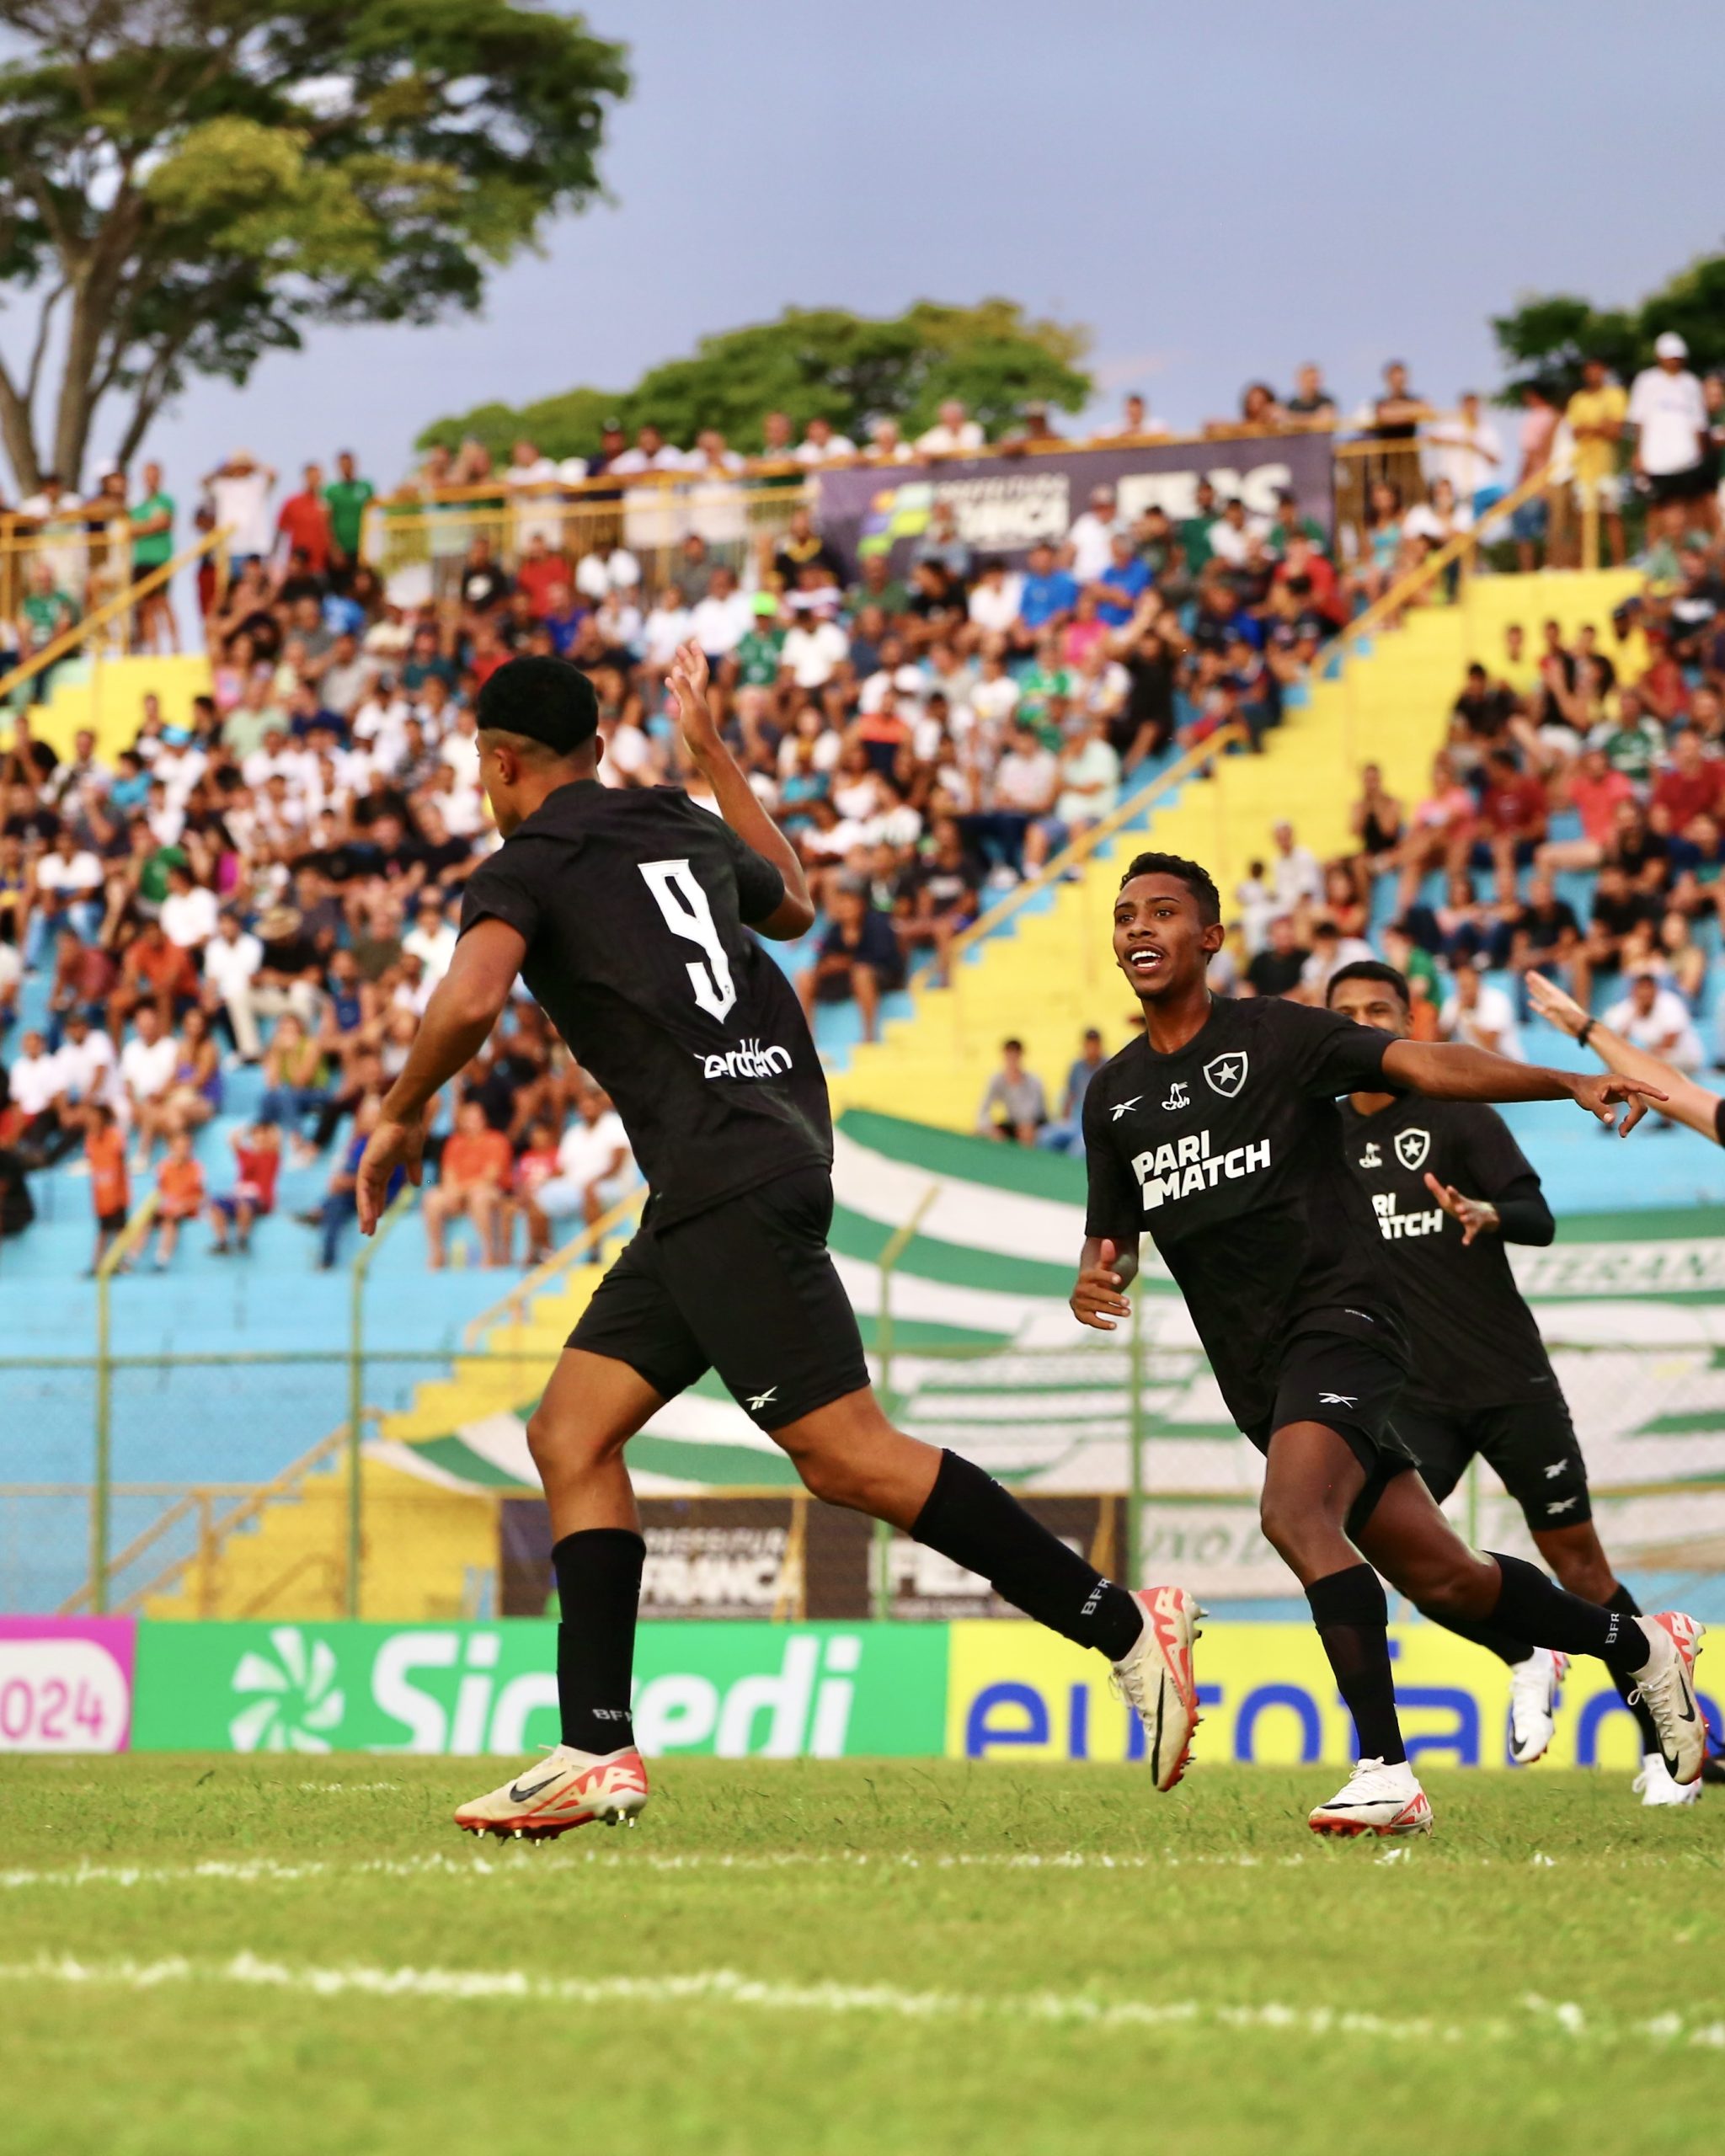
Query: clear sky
[[1217, 192]]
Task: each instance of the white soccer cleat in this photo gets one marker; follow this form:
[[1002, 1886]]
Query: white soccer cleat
[[1534, 1687], [1376, 1800], [1666, 1688], [1155, 1679], [1654, 1787], [565, 1788]]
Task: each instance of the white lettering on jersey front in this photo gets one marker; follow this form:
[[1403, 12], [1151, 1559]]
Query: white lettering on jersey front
[[749, 1059], [1183, 1166], [686, 913], [1394, 1227]]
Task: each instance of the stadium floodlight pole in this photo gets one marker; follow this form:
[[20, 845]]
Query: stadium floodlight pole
[[356, 1395]]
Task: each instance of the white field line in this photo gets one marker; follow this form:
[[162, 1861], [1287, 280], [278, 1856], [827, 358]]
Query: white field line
[[726, 1988], [534, 1862]]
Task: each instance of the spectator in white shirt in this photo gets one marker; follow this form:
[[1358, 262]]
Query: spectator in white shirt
[[240, 493], [189, 911], [995, 598], [1668, 414], [954, 435], [536, 495], [431, 939], [1091, 539], [1296, 877], [1480, 1016], [1330, 951], [37, 1081], [721, 621], [1658, 1020], [652, 453], [146, 1062], [87, 1061], [887, 446], [68, 881], [1136, 418], [1468, 451], [596, 1170], [596, 574], [664, 628], [814, 651], [820, 445]]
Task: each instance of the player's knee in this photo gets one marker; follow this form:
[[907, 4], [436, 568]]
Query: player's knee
[[830, 1476], [566, 1449], [1286, 1524]]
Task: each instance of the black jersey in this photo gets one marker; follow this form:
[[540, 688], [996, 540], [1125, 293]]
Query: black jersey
[[1229, 1152], [1474, 1342], [633, 902]]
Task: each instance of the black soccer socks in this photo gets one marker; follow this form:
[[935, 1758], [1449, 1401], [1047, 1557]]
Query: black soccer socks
[[1529, 1602], [1352, 1616], [971, 1519], [1504, 1645], [1624, 1600], [599, 1590]]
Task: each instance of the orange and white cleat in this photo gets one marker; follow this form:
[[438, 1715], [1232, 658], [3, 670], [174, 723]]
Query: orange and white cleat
[[1666, 1687], [1376, 1800], [1156, 1680], [565, 1788]]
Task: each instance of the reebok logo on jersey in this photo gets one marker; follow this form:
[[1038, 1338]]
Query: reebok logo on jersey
[[1186, 1165], [748, 1060], [1337, 1399], [1125, 1107]]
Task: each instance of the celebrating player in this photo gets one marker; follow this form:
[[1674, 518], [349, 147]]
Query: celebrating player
[[624, 910], [1217, 1128], [1450, 1188], [1682, 1100]]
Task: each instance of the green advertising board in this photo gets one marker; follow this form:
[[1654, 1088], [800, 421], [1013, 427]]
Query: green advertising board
[[732, 1690]]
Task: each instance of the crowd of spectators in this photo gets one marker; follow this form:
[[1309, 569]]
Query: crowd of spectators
[[275, 880]]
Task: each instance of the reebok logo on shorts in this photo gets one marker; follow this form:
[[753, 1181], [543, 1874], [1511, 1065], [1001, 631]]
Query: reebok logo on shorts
[[1337, 1399]]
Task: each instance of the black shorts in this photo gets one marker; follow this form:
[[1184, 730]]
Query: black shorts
[[1689, 485], [748, 1288], [1530, 1448], [1351, 1387]]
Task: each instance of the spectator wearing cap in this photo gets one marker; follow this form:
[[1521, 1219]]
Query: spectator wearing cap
[[1668, 414]]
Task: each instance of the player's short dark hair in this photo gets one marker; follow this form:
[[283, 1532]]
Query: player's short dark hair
[[1198, 880], [542, 699], [1371, 969]]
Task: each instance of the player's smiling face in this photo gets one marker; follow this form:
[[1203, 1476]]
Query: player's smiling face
[[1162, 944], [1371, 1003]]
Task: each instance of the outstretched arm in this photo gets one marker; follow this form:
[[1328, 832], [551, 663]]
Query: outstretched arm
[[1684, 1101], [794, 915], [1456, 1072], [1105, 1270], [463, 1008]]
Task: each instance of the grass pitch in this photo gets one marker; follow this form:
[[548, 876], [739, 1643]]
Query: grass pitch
[[202, 1955]]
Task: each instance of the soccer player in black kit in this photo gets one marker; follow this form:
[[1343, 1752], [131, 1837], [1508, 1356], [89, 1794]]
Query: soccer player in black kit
[[1449, 1188], [624, 910], [1217, 1130]]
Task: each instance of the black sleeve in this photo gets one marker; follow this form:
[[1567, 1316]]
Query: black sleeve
[[498, 890], [761, 888], [1497, 1169], [1327, 1053], [1719, 1123], [1115, 1206]]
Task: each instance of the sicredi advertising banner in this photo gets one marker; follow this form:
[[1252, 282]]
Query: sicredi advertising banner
[[1004, 505], [732, 1690]]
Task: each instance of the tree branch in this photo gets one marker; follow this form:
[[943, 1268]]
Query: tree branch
[[34, 376]]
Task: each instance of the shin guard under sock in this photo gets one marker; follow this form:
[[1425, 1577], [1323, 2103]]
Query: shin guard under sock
[[970, 1518], [599, 1591], [1352, 1618]]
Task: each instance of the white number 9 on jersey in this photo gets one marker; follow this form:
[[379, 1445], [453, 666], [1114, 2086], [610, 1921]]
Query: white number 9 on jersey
[[686, 913]]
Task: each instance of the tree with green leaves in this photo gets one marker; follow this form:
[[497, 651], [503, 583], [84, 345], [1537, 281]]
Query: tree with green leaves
[[1546, 339], [813, 363], [187, 184]]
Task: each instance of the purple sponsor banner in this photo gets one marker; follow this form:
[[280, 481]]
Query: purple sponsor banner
[[1003, 505], [66, 1683]]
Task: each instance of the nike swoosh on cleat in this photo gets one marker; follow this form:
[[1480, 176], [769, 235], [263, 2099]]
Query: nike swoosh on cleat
[[517, 1795]]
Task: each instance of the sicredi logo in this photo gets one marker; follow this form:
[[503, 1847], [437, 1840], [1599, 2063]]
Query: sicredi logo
[[748, 1060], [1186, 1165]]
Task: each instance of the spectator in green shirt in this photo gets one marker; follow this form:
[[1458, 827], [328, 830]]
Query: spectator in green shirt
[[1195, 530], [758, 655], [1633, 743], [152, 548], [47, 612], [877, 586], [346, 497]]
